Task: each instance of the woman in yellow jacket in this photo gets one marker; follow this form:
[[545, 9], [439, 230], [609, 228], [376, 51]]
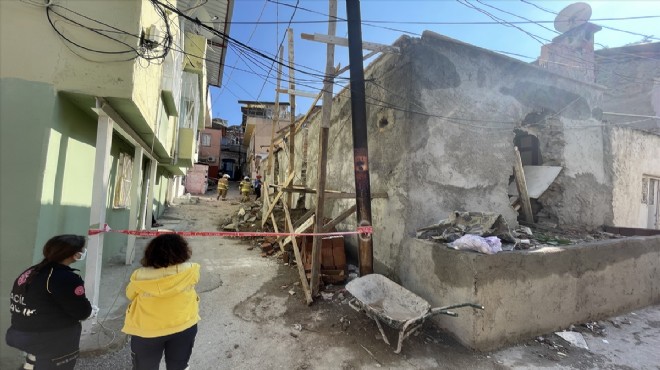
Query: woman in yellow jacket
[[164, 308]]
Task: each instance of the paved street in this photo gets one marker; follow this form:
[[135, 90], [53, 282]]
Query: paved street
[[249, 321]]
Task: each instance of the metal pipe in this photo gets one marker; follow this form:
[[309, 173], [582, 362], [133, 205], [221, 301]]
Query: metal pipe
[[359, 125]]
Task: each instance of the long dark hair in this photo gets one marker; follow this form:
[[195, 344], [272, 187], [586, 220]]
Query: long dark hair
[[56, 250], [166, 250]]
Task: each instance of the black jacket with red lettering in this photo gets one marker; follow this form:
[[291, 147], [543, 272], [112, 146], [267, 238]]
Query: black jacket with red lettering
[[54, 299]]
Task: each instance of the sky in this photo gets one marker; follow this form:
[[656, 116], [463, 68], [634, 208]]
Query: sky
[[384, 21]]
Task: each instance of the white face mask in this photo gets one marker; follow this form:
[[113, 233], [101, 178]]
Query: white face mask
[[83, 254]]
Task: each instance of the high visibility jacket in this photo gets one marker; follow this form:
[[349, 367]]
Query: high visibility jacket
[[245, 186], [223, 184]]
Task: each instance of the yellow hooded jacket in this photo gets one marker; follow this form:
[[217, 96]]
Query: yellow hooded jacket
[[163, 301]]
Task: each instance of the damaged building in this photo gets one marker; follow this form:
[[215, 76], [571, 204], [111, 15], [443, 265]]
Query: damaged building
[[444, 118]]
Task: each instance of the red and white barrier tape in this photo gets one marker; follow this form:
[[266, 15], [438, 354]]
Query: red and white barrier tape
[[107, 229]]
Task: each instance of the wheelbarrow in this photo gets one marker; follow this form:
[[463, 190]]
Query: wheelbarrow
[[384, 300]]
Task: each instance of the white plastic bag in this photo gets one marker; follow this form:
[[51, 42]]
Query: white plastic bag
[[489, 245]]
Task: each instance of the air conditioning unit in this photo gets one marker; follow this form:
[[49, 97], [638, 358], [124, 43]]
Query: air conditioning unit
[[210, 159]]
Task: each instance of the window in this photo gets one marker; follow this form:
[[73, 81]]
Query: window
[[206, 140], [124, 174]]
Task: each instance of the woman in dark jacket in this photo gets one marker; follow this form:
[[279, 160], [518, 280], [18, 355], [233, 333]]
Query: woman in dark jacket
[[47, 304]]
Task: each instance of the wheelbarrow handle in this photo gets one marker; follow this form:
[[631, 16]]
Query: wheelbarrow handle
[[437, 310]]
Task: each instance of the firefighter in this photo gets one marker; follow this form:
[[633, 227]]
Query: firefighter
[[223, 187], [245, 186]]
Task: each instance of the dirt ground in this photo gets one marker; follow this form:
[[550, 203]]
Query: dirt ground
[[251, 319]]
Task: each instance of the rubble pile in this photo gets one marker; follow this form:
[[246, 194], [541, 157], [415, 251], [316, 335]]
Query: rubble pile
[[488, 233], [245, 219]]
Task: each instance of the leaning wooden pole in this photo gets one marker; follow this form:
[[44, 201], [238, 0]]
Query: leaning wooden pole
[[326, 110], [276, 116], [292, 127], [360, 147]]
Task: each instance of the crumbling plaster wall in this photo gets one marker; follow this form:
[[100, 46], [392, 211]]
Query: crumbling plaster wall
[[441, 117], [467, 161], [634, 154]]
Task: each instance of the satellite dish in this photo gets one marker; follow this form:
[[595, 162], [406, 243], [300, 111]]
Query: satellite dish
[[572, 16]]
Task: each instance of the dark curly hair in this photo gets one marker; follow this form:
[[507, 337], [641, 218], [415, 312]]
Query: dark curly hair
[[166, 250]]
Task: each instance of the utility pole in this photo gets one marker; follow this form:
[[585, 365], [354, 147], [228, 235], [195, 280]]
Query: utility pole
[[360, 144]]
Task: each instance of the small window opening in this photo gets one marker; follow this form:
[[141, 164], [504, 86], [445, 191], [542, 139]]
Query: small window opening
[[529, 147]]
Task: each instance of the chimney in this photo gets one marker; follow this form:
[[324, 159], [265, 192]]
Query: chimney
[[571, 54]]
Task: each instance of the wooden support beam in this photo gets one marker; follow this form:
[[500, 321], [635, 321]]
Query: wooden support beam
[[299, 262], [301, 228], [352, 195], [326, 111], [339, 71], [292, 107], [303, 218], [337, 220], [366, 56], [266, 198], [521, 184], [276, 115], [341, 41], [305, 94], [277, 197]]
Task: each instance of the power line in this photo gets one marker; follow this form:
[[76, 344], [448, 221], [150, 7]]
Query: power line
[[455, 23]]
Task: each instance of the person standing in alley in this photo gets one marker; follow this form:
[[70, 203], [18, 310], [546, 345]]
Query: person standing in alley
[[164, 307], [245, 186], [257, 187], [223, 187], [47, 303]]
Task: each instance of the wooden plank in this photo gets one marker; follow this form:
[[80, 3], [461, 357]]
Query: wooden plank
[[335, 40], [299, 263], [308, 222], [272, 217], [326, 111], [306, 94], [365, 57], [337, 220], [277, 197], [292, 107], [303, 218], [521, 184], [278, 138], [352, 195], [276, 118]]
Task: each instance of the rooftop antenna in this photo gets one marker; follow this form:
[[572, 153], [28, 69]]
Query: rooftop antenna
[[572, 16]]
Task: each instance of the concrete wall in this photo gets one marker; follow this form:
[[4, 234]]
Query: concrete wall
[[632, 75], [526, 294], [634, 154]]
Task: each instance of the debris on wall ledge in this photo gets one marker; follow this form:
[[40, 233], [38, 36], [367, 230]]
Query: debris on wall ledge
[[488, 233]]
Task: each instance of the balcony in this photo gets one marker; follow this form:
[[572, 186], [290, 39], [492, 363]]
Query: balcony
[[187, 155], [195, 49]]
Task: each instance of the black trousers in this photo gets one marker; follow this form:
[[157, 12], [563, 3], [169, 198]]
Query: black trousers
[[54, 350], [147, 352]]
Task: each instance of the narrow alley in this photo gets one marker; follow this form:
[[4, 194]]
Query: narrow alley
[[250, 319], [460, 184]]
